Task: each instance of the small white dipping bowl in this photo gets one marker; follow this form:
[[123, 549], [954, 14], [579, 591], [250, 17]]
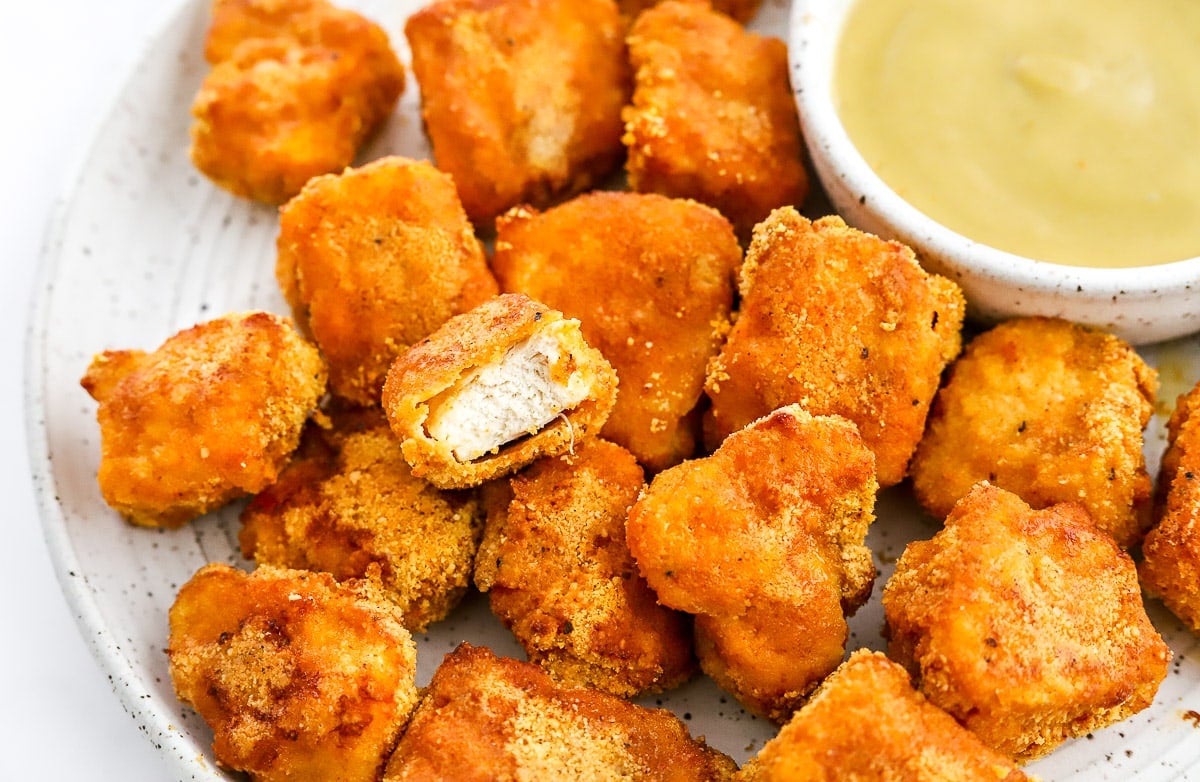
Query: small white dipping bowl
[[1142, 305]]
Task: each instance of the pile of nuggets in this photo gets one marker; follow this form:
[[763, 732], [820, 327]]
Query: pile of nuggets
[[657, 454]]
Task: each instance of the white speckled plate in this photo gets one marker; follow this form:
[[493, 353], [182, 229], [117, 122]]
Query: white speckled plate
[[146, 246]]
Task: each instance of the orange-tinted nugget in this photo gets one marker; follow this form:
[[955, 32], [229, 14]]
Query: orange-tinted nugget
[[742, 10], [651, 281], [298, 676], [373, 260], [561, 577], [1170, 568], [867, 724], [713, 117], [296, 87], [1027, 626], [843, 323], [521, 98], [764, 542], [490, 719], [211, 415]]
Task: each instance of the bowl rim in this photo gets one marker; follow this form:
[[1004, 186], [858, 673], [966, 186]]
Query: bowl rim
[[815, 28]]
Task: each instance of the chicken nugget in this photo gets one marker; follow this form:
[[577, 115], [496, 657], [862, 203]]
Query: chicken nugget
[[492, 719], [373, 260], [764, 542], [712, 116], [495, 388], [867, 724], [742, 10], [296, 87], [521, 98], [1051, 411], [353, 508], [560, 576], [298, 676], [1026, 625], [843, 323], [211, 415], [651, 281], [1170, 568]]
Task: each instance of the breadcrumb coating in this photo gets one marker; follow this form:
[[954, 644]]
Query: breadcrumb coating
[[1051, 411], [559, 574], [298, 676], [490, 719], [1026, 625], [211, 415], [742, 10], [764, 542]]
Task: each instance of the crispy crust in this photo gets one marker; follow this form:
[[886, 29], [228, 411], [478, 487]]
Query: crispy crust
[[741, 10], [1027, 626], [1051, 411], [474, 339], [213, 414], [843, 323]]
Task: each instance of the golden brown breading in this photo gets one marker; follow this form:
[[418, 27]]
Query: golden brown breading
[[1170, 568], [298, 676], [213, 414], [352, 507], [491, 719], [373, 260], [1051, 411], [742, 10], [296, 87], [867, 724], [712, 116], [651, 281], [764, 542], [1027, 626], [843, 323], [561, 577], [494, 389], [521, 98]]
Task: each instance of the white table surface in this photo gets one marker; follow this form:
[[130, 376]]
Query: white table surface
[[61, 64]]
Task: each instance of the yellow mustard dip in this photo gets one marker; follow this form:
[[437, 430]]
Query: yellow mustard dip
[[1063, 131]]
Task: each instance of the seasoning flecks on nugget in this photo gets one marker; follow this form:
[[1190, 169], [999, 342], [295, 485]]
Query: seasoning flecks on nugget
[[298, 676], [521, 98], [495, 388], [295, 89], [712, 116], [742, 10], [764, 542], [1026, 625], [374, 259], [491, 719], [211, 415], [559, 574], [351, 506], [1051, 411], [651, 281], [843, 323], [867, 724], [1170, 567]]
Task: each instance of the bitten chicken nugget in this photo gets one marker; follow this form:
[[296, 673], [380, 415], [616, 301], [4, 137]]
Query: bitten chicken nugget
[[1051, 411], [651, 281], [296, 87], [1170, 568], [867, 724], [298, 676], [1027, 626], [492, 719], [713, 116], [764, 542], [352, 507], [495, 388], [373, 260], [843, 323], [211, 415], [521, 98], [561, 577], [742, 10]]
